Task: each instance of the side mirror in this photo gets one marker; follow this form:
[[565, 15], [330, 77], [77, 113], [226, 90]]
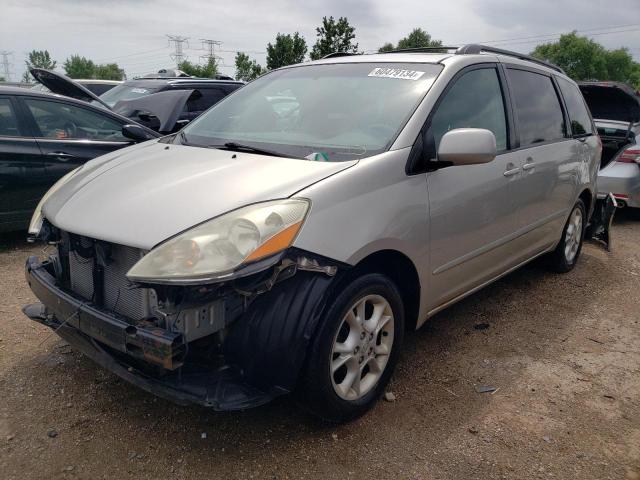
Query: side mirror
[[467, 146], [135, 133]]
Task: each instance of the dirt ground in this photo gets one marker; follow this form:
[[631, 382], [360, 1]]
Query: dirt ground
[[563, 352]]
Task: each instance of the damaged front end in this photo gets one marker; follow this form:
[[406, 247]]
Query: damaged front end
[[228, 345]]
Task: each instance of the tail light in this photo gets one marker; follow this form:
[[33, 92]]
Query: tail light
[[630, 154]]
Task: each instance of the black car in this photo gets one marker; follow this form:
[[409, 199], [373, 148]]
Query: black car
[[42, 137], [140, 100]]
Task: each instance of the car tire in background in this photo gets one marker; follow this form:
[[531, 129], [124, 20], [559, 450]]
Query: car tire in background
[[566, 254], [351, 361]]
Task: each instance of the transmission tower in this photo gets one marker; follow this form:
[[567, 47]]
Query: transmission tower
[[178, 55], [209, 46], [6, 65]]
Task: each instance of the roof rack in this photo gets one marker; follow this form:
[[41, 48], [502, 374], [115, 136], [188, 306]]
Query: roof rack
[[475, 49], [422, 49], [339, 54]]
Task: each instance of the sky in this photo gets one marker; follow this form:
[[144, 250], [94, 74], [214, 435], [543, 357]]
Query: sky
[[133, 33]]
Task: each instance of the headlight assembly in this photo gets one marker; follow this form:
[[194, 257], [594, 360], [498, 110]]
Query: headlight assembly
[[36, 220], [214, 249]]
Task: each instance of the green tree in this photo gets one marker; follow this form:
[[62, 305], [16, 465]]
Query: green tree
[[580, 57], [583, 59], [109, 71], [334, 37], [620, 65], [416, 39], [38, 59], [208, 70], [635, 76], [287, 50], [79, 67], [246, 68], [387, 47]]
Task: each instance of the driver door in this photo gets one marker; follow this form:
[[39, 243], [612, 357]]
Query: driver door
[[472, 208], [70, 135]]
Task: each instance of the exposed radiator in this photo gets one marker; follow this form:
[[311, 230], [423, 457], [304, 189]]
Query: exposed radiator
[[119, 294]]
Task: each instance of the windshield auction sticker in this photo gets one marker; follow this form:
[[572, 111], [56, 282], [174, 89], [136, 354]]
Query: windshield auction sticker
[[396, 73]]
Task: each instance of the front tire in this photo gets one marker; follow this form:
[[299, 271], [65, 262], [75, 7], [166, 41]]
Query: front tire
[[566, 254], [355, 350]]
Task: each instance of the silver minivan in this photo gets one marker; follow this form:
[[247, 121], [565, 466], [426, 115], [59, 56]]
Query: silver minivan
[[287, 239]]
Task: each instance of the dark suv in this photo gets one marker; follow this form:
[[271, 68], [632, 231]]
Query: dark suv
[[208, 92], [183, 98]]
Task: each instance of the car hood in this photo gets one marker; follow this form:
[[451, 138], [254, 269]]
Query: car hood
[[63, 85], [611, 101], [142, 195]]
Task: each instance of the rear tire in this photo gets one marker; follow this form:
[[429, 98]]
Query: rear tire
[[351, 361], [566, 254]]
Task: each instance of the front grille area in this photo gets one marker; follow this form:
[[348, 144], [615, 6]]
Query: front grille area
[[117, 294]]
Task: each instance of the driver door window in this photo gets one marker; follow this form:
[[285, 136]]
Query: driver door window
[[60, 121], [474, 101]]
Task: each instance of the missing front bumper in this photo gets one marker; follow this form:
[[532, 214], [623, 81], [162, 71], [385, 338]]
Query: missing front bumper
[[121, 348]]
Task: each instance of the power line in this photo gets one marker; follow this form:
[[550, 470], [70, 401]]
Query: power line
[[562, 33], [132, 54], [557, 37], [209, 46], [6, 65], [178, 55]]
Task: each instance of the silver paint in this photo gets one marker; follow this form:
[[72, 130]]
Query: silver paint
[[461, 227]]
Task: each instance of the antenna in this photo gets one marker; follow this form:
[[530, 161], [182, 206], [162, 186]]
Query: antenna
[[178, 55]]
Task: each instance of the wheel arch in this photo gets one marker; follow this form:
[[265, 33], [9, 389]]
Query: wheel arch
[[587, 198], [401, 270]]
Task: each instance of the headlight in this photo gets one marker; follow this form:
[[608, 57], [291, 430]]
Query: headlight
[[36, 220], [214, 249]]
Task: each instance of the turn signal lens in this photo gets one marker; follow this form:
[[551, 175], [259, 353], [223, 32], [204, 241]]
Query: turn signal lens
[[275, 244]]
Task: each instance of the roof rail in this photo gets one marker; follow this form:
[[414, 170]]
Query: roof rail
[[422, 49], [339, 54], [475, 49]]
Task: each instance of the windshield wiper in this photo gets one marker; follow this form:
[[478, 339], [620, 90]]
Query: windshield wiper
[[242, 147]]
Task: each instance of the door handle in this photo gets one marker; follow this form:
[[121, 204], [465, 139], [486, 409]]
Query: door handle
[[62, 156], [529, 166], [511, 172]]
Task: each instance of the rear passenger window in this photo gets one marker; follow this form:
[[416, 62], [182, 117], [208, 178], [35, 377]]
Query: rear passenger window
[[474, 101], [576, 107], [537, 106], [207, 98], [8, 121]]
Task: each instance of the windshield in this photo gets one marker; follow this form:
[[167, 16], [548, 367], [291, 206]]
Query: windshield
[[328, 112], [125, 92]]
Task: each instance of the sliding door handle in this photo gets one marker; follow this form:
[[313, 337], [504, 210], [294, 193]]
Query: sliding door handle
[[511, 172], [528, 166]]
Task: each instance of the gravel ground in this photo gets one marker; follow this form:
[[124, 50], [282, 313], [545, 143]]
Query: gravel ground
[[563, 352]]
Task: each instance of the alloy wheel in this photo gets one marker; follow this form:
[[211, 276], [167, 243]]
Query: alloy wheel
[[573, 235], [361, 347]]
